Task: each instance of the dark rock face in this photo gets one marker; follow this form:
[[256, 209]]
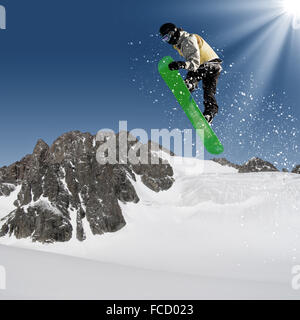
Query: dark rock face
[[15, 172], [155, 177], [296, 169], [6, 189], [225, 162], [63, 185], [253, 165], [39, 222], [257, 165]]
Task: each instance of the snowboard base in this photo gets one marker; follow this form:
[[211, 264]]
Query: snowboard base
[[177, 85]]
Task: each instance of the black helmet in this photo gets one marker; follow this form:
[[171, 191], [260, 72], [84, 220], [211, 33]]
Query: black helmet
[[170, 33], [166, 28]]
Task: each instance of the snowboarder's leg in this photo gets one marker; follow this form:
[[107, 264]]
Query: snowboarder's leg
[[192, 79], [209, 84]]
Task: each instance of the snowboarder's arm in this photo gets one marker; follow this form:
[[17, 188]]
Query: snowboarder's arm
[[191, 53], [176, 65]]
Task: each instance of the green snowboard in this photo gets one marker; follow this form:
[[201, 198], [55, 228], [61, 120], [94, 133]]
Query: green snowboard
[[176, 84]]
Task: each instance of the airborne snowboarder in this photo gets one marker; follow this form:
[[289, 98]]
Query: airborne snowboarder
[[201, 62]]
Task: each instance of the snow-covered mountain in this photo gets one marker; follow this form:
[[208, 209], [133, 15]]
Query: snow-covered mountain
[[204, 219], [55, 191]]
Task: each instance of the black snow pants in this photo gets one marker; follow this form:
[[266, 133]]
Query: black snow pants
[[209, 73]]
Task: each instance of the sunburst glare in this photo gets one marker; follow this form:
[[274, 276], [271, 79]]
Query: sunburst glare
[[292, 7]]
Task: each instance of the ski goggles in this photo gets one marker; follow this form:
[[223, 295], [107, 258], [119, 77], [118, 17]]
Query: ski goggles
[[167, 37]]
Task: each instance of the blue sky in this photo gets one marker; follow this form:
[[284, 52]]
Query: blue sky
[[74, 65]]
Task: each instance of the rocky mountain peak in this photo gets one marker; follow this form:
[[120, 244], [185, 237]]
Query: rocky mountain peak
[[64, 190], [41, 148], [257, 165], [253, 165]]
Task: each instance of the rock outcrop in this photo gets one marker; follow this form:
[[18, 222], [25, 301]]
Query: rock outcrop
[[257, 165], [64, 189], [253, 165], [6, 189], [296, 169]]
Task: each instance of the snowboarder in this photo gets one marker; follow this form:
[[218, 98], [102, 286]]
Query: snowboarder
[[201, 62]]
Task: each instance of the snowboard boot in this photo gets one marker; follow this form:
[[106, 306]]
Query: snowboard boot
[[209, 117], [191, 84]]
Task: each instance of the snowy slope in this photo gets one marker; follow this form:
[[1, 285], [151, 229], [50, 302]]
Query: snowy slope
[[6, 203], [213, 223], [64, 277]]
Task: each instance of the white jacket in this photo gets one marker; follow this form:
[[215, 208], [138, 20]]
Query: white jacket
[[195, 50]]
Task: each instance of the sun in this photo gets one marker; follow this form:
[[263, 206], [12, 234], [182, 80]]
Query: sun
[[292, 7]]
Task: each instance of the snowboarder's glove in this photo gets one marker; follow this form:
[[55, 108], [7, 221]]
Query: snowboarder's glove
[[176, 65]]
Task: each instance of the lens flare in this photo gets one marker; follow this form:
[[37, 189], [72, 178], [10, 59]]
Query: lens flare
[[292, 7]]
